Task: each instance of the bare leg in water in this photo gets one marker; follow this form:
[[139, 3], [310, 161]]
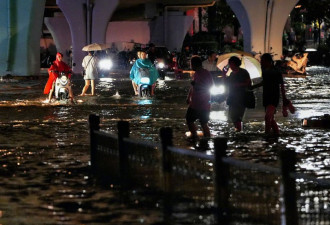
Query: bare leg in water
[[93, 87], [135, 87], [193, 129], [87, 83], [206, 130], [51, 92]]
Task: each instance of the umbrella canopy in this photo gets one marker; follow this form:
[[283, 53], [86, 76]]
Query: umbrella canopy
[[95, 47], [249, 63]]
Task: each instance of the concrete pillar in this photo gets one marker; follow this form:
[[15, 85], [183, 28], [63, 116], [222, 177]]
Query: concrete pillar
[[77, 15], [262, 22], [60, 30], [177, 28], [20, 31], [170, 30], [102, 12], [4, 37]]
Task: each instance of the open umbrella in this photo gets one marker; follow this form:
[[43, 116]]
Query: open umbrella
[[249, 63], [95, 47]]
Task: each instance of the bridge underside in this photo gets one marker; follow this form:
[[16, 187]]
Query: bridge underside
[[86, 21]]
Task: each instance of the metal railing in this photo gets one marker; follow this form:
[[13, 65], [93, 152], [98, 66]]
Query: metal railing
[[237, 191]]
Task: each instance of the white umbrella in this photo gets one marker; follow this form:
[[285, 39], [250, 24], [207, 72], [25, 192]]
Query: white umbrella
[[249, 63], [95, 47]]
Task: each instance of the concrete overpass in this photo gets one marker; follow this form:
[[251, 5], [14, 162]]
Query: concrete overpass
[[164, 22]]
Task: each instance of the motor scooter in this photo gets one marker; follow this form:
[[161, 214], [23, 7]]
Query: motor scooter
[[144, 85], [62, 86]]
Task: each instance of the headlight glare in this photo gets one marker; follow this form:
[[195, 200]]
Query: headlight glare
[[145, 80], [217, 90], [160, 65], [105, 64]]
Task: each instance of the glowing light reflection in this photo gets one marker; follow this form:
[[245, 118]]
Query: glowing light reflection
[[117, 94], [145, 102], [218, 115], [107, 79], [308, 112], [168, 78]]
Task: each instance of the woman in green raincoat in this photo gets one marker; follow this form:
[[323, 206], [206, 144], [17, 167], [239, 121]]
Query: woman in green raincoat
[[143, 63]]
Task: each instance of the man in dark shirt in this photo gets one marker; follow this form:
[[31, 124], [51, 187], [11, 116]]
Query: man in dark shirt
[[238, 82]]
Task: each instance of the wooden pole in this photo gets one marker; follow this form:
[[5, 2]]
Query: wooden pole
[[94, 125], [166, 137], [221, 171], [288, 163], [123, 132]]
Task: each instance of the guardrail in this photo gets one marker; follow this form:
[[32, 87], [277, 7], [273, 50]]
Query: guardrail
[[276, 194]]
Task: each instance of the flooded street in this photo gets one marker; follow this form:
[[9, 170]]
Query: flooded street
[[44, 148]]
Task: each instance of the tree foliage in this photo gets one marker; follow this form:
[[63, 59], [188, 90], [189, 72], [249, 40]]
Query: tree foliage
[[315, 11], [222, 15]]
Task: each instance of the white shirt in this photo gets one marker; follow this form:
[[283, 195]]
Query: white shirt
[[89, 63], [210, 66]]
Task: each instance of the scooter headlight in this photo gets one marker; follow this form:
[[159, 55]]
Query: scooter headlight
[[160, 65], [64, 80], [105, 64], [217, 90], [145, 80]]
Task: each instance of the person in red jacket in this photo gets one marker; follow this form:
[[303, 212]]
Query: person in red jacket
[[199, 98], [57, 67]]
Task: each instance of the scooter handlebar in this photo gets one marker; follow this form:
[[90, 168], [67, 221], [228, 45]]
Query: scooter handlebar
[[68, 73], [58, 72]]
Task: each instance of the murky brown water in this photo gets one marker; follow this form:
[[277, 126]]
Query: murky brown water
[[44, 148]]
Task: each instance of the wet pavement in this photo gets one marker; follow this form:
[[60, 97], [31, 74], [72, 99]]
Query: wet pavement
[[44, 148]]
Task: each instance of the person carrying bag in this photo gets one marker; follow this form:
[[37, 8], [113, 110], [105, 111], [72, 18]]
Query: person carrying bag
[[89, 64]]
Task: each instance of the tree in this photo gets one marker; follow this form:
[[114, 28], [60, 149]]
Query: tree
[[316, 12], [218, 17]]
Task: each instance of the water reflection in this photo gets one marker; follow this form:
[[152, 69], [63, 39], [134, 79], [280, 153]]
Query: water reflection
[[308, 111], [144, 101], [218, 115], [44, 148]]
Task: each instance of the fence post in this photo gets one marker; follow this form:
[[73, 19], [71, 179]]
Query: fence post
[[123, 132], [221, 172], [288, 163], [166, 137], [94, 125]]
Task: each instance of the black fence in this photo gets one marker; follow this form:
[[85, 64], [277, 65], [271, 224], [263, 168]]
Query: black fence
[[228, 190]]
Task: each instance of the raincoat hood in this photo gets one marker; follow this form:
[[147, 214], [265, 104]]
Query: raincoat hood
[[143, 63]]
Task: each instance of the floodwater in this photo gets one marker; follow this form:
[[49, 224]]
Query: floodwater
[[44, 148]]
